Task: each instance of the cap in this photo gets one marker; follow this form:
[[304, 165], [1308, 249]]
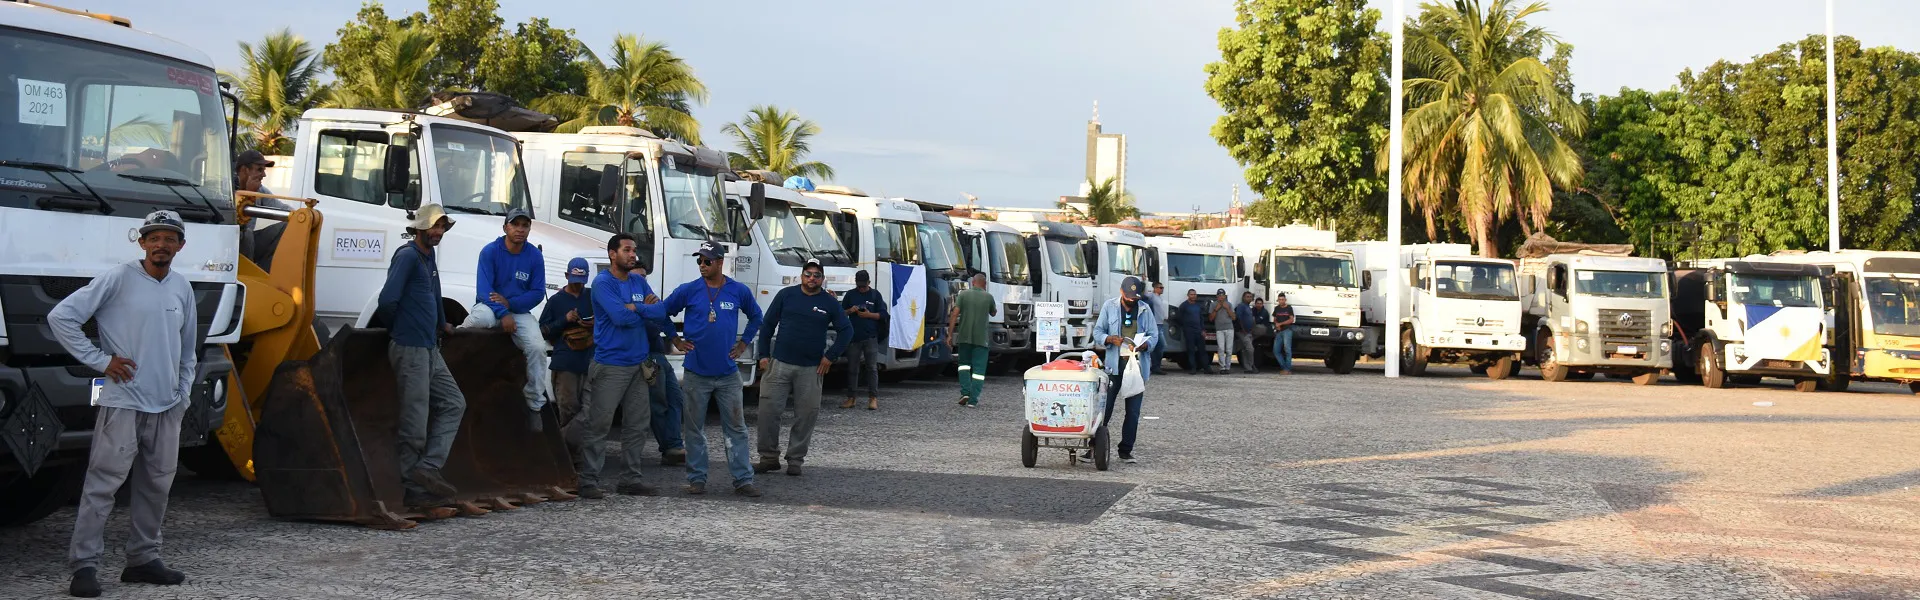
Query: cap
[[861, 277], [252, 157], [425, 216], [166, 220], [577, 270], [1131, 288], [519, 213], [711, 249], [814, 264], [1220, 292]]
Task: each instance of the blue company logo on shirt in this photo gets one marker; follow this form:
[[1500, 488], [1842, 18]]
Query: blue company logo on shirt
[[726, 305], [637, 298], [522, 275]]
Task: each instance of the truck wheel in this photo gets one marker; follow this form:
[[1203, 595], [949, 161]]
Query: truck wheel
[[26, 499], [1647, 378], [1479, 368], [1503, 368], [1914, 386], [1712, 373], [1342, 360], [1550, 367], [1413, 357], [1837, 382], [1029, 447], [210, 461], [1806, 385]]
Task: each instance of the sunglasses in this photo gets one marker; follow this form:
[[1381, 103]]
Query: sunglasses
[[706, 261]]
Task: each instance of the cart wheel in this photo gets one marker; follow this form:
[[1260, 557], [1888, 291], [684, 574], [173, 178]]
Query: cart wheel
[[1029, 447], [1647, 378], [1806, 385], [1102, 449]]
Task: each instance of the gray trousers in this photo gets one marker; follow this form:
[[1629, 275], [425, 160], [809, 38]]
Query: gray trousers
[[802, 384], [863, 365], [124, 439], [1224, 340], [613, 388], [431, 407], [1243, 343]]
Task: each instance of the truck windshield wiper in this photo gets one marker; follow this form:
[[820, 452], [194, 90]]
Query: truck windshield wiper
[[173, 184], [469, 210], [50, 168]]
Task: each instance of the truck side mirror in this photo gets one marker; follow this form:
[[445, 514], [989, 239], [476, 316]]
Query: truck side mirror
[[1366, 280], [757, 201], [608, 194], [394, 169]]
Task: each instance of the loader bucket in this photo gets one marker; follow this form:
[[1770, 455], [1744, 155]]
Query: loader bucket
[[326, 444]]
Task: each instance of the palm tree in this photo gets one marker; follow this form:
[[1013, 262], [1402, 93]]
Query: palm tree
[[1486, 120], [775, 140], [644, 85], [1104, 206], [279, 80], [397, 77]]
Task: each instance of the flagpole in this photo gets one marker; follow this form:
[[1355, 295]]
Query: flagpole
[[1395, 135], [1833, 143]]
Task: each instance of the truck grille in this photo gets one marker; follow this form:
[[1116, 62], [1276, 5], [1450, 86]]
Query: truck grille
[[1480, 323], [1315, 321], [1018, 313], [59, 288], [1625, 327]]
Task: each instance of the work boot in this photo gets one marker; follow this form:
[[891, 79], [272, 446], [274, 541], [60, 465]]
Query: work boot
[[153, 572], [431, 479], [673, 456], [697, 488], [848, 403], [747, 490], [873, 403], [86, 583], [534, 422], [637, 489], [767, 464], [793, 468], [592, 492]]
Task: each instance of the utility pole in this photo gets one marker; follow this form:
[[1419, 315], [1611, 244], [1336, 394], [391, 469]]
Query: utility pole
[[1833, 143], [1395, 132]]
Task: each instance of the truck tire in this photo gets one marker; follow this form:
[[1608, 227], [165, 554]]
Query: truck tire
[[1479, 368], [1647, 378], [26, 499], [1712, 373], [1914, 386], [1550, 367], [1029, 447], [1341, 360], [1503, 368], [1806, 385], [210, 460], [1837, 382], [1413, 357]]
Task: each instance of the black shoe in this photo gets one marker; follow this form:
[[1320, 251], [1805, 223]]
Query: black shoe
[[424, 500], [431, 479], [86, 583], [1128, 458], [591, 492], [747, 490], [673, 457], [153, 572], [534, 422], [697, 488], [793, 468], [766, 465], [637, 489]]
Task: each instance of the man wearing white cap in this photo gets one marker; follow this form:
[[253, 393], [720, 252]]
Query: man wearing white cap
[[430, 402], [146, 319]]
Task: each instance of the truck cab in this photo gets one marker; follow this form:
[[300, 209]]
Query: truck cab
[[1597, 314], [792, 228], [999, 252], [890, 249], [1873, 314], [1203, 267], [946, 273], [1318, 279], [1748, 319], [104, 124], [1057, 258], [1115, 255], [1455, 307]]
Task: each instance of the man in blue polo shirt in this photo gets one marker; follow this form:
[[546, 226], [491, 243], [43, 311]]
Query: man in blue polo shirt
[[711, 307], [512, 279], [620, 345], [793, 365]]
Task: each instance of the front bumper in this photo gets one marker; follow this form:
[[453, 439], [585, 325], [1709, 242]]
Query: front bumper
[[1009, 339], [1327, 336], [1739, 362], [69, 389], [1490, 342], [1887, 363], [1587, 353]]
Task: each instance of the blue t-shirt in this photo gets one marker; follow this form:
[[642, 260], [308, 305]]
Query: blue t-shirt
[[410, 301], [621, 336], [865, 328], [522, 277], [553, 326], [1193, 314], [712, 341], [802, 322]]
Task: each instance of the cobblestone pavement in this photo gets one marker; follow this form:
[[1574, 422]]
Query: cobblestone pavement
[[1306, 486]]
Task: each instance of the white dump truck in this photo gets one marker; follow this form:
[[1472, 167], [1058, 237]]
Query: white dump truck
[[999, 252], [1304, 264], [1455, 307], [1744, 319], [1873, 303], [1057, 256], [1203, 267], [1591, 309]]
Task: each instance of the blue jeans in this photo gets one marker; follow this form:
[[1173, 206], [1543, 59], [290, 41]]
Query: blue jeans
[[1283, 347], [724, 391], [666, 398], [1159, 349], [1196, 346]]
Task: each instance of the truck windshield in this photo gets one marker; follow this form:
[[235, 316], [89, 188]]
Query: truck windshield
[[1475, 281], [1302, 269], [1895, 305], [88, 126], [1199, 268], [1620, 284], [478, 172], [941, 247], [797, 234], [694, 209], [1776, 290], [1008, 259], [1064, 257], [1129, 260]]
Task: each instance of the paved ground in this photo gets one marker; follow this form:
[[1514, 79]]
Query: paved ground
[[1310, 486]]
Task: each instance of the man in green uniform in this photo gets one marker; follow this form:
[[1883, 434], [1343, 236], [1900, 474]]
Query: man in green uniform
[[968, 322]]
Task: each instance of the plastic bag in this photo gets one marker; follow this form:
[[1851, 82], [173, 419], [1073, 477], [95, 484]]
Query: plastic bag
[[1131, 383]]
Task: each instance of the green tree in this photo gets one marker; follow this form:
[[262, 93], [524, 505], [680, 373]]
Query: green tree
[[1304, 89], [353, 44], [1105, 205], [537, 61], [643, 85], [398, 76], [462, 32], [279, 79], [775, 140], [1487, 118]]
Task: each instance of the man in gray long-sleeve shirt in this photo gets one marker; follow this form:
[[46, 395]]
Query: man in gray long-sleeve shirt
[[147, 324]]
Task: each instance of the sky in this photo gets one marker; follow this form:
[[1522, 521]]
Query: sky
[[991, 97]]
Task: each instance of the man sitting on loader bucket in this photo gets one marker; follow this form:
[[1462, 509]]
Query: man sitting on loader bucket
[[431, 404]]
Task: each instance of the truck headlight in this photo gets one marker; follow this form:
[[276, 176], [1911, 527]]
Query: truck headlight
[[1581, 344], [1666, 346], [1666, 329], [1580, 326]]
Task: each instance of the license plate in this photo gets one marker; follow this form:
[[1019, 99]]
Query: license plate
[[1319, 331], [99, 383], [1629, 349], [1079, 332]]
